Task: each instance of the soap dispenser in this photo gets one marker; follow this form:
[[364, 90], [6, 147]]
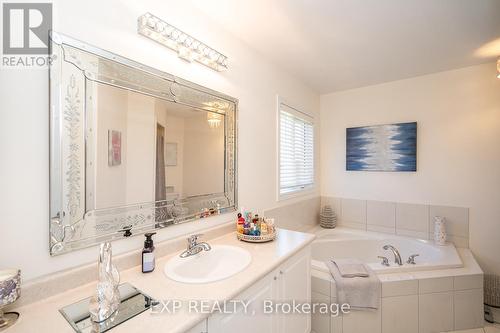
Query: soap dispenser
[[148, 256]]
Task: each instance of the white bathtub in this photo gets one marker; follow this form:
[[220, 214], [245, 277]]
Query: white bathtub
[[366, 246]]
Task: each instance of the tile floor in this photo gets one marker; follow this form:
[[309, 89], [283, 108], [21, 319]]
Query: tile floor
[[488, 328]]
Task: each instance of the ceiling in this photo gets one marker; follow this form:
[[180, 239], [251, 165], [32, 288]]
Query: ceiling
[[178, 110], [334, 45]]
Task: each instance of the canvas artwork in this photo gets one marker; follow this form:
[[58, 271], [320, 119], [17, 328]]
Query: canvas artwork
[[114, 148], [382, 148]]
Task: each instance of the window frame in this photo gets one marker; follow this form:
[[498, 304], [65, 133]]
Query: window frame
[[308, 190]]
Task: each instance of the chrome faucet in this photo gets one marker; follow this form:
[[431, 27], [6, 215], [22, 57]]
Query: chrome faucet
[[194, 247], [397, 256], [385, 261], [411, 259]]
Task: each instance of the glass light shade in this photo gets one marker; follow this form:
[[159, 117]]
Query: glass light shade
[[186, 46], [498, 68], [214, 119]]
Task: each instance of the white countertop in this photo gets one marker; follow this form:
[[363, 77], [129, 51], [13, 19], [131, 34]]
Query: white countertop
[[43, 316]]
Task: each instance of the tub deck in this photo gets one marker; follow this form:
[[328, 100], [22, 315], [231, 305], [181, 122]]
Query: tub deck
[[418, 301]]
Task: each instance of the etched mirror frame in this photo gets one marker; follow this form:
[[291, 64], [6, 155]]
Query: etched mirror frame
[[76, 70]]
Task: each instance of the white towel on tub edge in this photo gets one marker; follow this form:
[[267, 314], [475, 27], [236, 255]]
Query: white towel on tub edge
[[359, 292]]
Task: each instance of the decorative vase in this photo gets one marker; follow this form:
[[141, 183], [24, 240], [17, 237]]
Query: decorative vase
[[10, 291], [327, 218], [107, 298], [440, 230]]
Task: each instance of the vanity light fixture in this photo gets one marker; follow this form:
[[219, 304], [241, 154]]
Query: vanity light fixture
[[498, 68], [186, 46], [214, 119]]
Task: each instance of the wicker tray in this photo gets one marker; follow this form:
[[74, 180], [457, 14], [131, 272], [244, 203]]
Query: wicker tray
[[256, 239]]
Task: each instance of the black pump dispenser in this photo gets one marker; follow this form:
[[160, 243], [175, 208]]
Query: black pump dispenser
[[148, 243], [148, 257]]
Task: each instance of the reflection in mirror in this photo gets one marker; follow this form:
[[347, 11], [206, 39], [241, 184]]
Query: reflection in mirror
[[149, 149]]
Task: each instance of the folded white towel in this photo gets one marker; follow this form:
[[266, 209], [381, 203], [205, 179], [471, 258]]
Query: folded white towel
[[361, 293], [351, 268]]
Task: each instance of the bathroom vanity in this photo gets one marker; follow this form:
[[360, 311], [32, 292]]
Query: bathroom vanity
[[279, 271]]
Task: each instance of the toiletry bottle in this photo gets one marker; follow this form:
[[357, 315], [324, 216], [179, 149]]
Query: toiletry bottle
[[270, 226], [248, 217], [148, 256], [241, 224], [255, 220], [252, 229], [263, 227]]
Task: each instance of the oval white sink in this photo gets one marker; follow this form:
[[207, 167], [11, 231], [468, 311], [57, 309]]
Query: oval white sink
[[221, 262]]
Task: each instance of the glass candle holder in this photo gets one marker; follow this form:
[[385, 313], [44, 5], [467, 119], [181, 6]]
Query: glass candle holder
[[10, 291]]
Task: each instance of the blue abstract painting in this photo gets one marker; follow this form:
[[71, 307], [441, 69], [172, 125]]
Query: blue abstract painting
[[382, 148]]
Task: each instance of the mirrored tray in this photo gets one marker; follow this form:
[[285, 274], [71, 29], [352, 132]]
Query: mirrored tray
[[133, 302]]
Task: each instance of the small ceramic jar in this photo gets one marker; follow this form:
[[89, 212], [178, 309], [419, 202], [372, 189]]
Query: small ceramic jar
[[440, 230]]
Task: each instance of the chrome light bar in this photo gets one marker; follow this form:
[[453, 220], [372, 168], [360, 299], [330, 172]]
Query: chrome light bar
[[187, 47]]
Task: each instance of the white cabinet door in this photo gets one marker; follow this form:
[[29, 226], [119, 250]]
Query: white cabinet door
[[254, 320], [290, 282], [200, 328], [295, 285], [320, 322]]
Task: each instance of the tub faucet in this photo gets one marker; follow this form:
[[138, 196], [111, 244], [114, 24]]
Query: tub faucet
[[411, 259], [385, 261], [397, 256], [194, 247]]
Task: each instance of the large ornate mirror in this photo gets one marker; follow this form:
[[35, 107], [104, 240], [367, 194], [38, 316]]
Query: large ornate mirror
[[133, 149]]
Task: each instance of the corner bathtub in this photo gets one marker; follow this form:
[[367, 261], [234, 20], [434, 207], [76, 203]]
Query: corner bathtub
[[366, 246]]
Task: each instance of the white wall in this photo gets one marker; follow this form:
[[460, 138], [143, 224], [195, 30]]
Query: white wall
[[141, 148], [24, 128], [175, 134], [133, 181], [458, 115], [203, 157], [110, 181]]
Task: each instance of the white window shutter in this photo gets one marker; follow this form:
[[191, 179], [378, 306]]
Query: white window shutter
[[296, 168]]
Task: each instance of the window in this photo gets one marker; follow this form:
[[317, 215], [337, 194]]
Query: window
[[296, 151]]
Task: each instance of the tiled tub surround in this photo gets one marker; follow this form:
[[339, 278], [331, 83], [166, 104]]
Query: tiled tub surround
[[411, 302], [300, 215], [405, 219]]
